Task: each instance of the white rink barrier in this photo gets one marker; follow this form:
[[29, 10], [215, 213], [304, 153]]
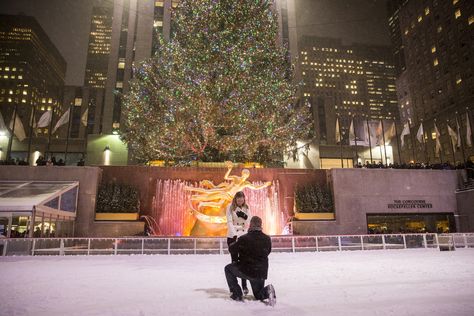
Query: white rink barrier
[[216, 245]]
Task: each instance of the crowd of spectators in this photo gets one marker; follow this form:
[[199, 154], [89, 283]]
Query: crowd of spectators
[[41, 161]]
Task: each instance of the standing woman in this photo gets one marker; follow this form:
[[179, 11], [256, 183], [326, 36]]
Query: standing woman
[[238, 218]]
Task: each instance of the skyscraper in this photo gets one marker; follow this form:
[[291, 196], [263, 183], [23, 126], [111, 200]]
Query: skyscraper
[[32, 73], [437, 84], [344, 83]]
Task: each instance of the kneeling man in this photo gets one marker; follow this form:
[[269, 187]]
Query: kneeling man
[[252, 249]]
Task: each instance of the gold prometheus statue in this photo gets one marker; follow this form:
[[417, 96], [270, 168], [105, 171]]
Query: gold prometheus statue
[[209, 202]]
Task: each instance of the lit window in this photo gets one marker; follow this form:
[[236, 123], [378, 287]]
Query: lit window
[[158, 3], [49, 108], [157, 23], [121, 65], [7, 68], [427, 10], [470, 20], [13, 69], [25, 92], [420, 18], [433, 49], [440, 28], [457, 14], [435, 62], [455, 1], [9, 99], [11, 91], [43, 100], [50, 100], [23, 100], [77, 101], [458, 79], [119, 84]]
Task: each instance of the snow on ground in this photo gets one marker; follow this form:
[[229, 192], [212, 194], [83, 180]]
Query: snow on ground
[[392, 282]]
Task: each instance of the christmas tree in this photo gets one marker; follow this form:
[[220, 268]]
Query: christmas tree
[[221, 89]]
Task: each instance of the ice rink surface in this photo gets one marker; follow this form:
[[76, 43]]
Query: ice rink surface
[[377, 282]]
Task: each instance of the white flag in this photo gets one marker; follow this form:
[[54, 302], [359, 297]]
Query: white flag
[[45, 119], [63, 120], [468, 131], [406, 131], [338, 132], [390, 133], [459, 133], [352, 132], [84, 117], [19, 130], [420, 133], [438, 143], [3, 126], [379, 134], [453, 135]]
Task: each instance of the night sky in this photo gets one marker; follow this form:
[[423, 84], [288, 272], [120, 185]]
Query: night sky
[[67, 23]]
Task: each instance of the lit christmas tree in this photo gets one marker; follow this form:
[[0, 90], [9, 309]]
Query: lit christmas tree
[[221, 89]]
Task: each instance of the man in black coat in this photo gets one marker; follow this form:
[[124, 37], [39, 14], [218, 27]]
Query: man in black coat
[[252, 249]]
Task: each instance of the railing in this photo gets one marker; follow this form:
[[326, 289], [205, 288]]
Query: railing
[[213, 245]]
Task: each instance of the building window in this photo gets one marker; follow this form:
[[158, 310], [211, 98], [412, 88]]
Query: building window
[[435, 62], [433, 49], [119, 85], [457, 14], [158, 3], [470, 20], [77, 101], [455, 1], [440, 28], [458, 79], [121, 65], [427, 10], [420, 18]]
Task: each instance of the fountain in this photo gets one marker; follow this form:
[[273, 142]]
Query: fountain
[[198, 209]]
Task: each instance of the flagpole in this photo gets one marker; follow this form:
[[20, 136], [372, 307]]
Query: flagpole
[[458, 127], [427, 160], [398, 143], [452, 145], [32, 122], [355, 140], [49, 134], [438, 140], [68, 131], [12, 133], [370, 143], [340, 141], [384, 146], [412, 141]]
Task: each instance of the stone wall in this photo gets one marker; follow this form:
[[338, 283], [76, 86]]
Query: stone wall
[[358, 192]]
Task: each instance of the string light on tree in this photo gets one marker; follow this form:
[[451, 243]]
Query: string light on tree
[[221, 89]]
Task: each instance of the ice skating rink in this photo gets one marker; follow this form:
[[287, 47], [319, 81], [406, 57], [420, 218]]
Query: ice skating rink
[[378, 282]]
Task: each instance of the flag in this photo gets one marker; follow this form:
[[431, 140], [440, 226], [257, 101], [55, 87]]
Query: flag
[[389, 134], [84, 117], [63, 120], [45, 119], [420, 133], [438, 143], [468, 131], [338, 132], [458, 132], [453, 135], [19, 130], [379, 134], [352, 136], [406, 131], [3, 126]]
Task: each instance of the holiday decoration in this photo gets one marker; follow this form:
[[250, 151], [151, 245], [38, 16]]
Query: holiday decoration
[[221, 89]]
